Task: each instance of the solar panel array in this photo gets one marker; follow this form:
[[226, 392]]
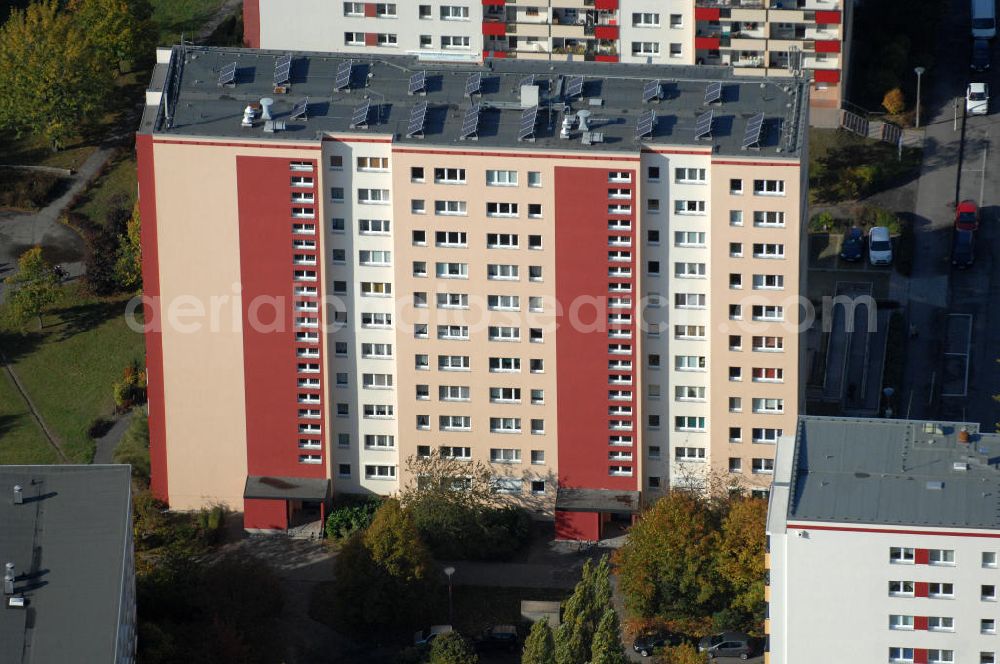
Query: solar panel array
[[713, 93], [360, 117], [283, 69], [527, 80], [652, 90], [470, 123], [644, 125], [474, 83], [299, 110], [529, 117], [703, 125], [418, 117], [343, 79], [418, 83], [227, 75], [575, 87], [755, 127]]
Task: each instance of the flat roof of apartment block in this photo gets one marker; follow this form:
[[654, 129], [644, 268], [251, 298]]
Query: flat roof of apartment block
[[895, 472], [204, 91]]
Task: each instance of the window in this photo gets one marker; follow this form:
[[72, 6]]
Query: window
[[537, 397], [376, 320], [988, 626], [690, 362], [735, 186], [768, 312], [373, 163], [501, 178], [940, 656], [689, 423], [455, 422], [453, 392], [420, 270], [417, 173], [385, 9], [689, 393], [768, 187], [380, 472], [765, 435], [451, 239], [900, 654], [689, 270], [505, 395], [768, 282], [384, 441], [378, 411], [735, 465], [450, 207], [503, 302], [762, 250], [771, 406], [735, 280], [640, 49], [645, 20], [689, 300], [762, 466], [453, 332], [534, 271], [537, 426], [504, 333], [689, 175], [689, 207], [736, 217], [534, 210], [538, 487], [378, 351], [987, 658], [768, 344], [676, 21], [423, 392], [988, 593], [536, 365], [735, 342], [426, 41], [373, 196], [354, 39], [940, 624], [373, 226], [941, 590], [369, 257], [419, 238], [453, 452], [689, 454], [385, 39], [653, 267], [504, 454], [735, 404], [449, 175], [501, 272], [507, 485], [452, 270], [686, 238], [454, 13], [354, 9], [376, 289], [941, 556], [989, 559], [418, 206], [735, 434], [765, 219], [344, 470], [501, 240], [505, 364], [689, 331], [453, 300], [676, 50], [901, 622]]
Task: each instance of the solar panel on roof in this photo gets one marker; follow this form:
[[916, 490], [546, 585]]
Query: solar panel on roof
[[418, 117], [644, 125], [470, 123], [227, 75], [713, 93], [360, 117], [529, 117], [285, 59], [474, 83], [652, 91], [299, 110], [703, 125], [527, 80], [343, 79], [755, 126], [282, 73], [418, 82], [575, 87]]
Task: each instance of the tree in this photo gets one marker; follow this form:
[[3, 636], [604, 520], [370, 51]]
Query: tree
[[395, 545], [583, 612], [739, 556], [666, 565], [539, 647], [451, 648], [128, 266], [52, 80], [35, 287], [682, 654], [607, 646], [894, 102], [121, 31]]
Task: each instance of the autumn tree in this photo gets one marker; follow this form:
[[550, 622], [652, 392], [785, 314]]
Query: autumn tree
[[607, 644], [452, 648], [894, 102], [739, 556], [120, 31], [539, 647], [128, 265], [682, 654], [666, 567], [52, 80], [582, 613], [33, 287]]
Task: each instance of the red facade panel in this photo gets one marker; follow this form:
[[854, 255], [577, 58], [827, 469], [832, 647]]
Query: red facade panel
[[921, 556], [920, 656], [495, 54], [371, 39], [920, 589], [270, 364], [920, 622], [707, 43], [826, 75], [581, 196], [828, 18], [828, 46], [494, 28], [605, 58], [265, 514], [494, 3], [370, 10], [251, 23], [707, 13], [153, 316], [579, 526], [606, 31], [606, 5]]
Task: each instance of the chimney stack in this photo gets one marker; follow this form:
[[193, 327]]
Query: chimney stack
[[18, 494]]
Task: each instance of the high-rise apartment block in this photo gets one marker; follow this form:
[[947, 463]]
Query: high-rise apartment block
[[765, 38], [884, 539], [583, 275]]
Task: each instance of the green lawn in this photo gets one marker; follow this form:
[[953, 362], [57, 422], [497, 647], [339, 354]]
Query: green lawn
[[69, 367], [176, 17], [115, 189], [21, 439], [843, 166]]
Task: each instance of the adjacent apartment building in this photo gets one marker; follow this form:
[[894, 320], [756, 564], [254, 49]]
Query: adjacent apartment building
[[585, 276], [68, 565], [765, 38], [884, 537]]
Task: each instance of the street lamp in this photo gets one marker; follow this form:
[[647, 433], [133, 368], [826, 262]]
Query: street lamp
[[448, 571], [919, 71]]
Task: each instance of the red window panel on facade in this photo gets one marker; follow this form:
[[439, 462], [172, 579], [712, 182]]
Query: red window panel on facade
[[826, 75], [828, 46], [707, 13], [707, 43], [605, 58], [606, 5], [495, 54], [494, 29], [371, 39], [370, 9], [494, 3], [921, 556], [606, 31], [920, 622], [920, 589], [828, 18], [920, 656]]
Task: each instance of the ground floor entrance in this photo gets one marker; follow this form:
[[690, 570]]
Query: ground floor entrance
[[290, 505], [593, 515]]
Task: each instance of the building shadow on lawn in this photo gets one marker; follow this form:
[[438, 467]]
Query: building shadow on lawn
[[83, 317]]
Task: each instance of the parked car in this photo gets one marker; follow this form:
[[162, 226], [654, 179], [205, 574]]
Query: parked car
[[647, 644], [728, 644], [963, 248], [498, 637], [982, 55], [977, 99], [853, 248], [425, 636], [967, 216], [879, 246]]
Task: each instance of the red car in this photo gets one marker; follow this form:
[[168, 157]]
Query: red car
[[967, 216]]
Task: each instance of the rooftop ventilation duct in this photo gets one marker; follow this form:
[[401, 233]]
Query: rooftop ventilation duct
[[265, 106], [18, 494]]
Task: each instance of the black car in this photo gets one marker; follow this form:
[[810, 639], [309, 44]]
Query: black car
[[498, 637], [647, 644], [853, 248], [981, 55], [963, 248]]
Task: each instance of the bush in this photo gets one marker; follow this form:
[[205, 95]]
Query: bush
[[28, 190], [133, 448], [131, 389], [821, 222], [99, 427], [872, 215], [212, 521], [346, 520], [894, 102]]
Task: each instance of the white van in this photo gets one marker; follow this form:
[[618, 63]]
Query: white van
[[984, 19]]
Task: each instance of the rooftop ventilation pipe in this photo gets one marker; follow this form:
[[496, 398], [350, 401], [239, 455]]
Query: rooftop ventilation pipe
[[18, 494]]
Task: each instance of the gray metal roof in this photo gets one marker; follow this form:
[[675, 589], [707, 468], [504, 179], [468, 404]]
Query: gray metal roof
[[287, 488], [67, 542], [597, 500], [194, 103], [895, 472]]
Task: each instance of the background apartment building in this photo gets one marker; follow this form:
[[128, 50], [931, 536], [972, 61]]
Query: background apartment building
[[883, 539], [500, 264], [767, 38]]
